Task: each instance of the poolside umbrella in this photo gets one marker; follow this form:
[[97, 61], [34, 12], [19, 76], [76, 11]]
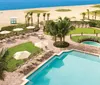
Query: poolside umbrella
[[18, 29], [39, 44], [4, 32], [30, 27], [86, 20], [21, 55]]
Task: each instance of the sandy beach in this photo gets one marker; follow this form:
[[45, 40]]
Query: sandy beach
[[20, 14], [76, 11]]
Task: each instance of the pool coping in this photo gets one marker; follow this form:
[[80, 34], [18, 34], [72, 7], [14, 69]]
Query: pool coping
[[25, 80], [90, 45], [93, 35]]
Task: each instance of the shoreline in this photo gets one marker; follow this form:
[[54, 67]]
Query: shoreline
[[20, 9], [76, 11]]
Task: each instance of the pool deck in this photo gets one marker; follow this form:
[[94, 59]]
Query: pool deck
[[83, 47], [11, 76], [25, 77]]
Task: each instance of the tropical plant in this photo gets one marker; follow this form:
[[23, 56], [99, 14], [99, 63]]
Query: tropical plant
[[52, 28], [83, 14], [59, 29], [38, 16], [3, 64], [88, 14], [48, 16], [64, 26], [27, 18], [95, 14], [44, 14], [31, 17]]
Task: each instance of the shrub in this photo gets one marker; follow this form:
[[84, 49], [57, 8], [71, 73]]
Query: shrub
[[88, 39], [85, 38], [8, 28], [3, 52], [98, 24], [61, 44], [94, 23], [3, 64], [20, 26]]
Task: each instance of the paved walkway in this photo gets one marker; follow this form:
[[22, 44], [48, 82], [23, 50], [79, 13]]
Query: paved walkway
[[12, 76], [82, 47]]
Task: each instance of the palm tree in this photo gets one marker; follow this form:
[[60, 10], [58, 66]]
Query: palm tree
[[2, 68], [59, 29], [3, 64], [52, 28], [48, 16], [26, 18], [44, 14], [31, 17], [88, 14], [83, 15], [64, 26], [38, 16], [95, 14]]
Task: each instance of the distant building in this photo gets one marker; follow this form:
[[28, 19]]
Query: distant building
[[13, 20]]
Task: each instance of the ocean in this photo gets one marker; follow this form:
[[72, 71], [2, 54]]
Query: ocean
[[24, 4]]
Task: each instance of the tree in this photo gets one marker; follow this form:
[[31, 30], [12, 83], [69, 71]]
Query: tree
[[52, 28], [2, 68], [31, 17], [83, 15], [88, 14], [64, 26], [44, 14], [95, 14], [59, 29], [3, 64], [26, 18], [38, 15], [48, 16]]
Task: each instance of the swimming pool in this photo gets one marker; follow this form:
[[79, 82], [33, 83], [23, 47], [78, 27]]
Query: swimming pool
[[92, 43], [69, 68]]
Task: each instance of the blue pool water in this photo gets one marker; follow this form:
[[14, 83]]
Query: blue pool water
[[22, 4], [92, 43], [71, 68]]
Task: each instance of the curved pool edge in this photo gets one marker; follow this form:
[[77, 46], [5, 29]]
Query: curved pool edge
[[96, 44], [43, 63]]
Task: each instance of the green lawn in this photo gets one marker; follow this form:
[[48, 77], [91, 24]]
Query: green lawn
[[96, 6], [63, 10], [84, 30], [37, 11], [13, 63]]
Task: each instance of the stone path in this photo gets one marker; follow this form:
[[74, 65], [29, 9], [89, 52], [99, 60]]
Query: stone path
[[15, 78], [83, 47]]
